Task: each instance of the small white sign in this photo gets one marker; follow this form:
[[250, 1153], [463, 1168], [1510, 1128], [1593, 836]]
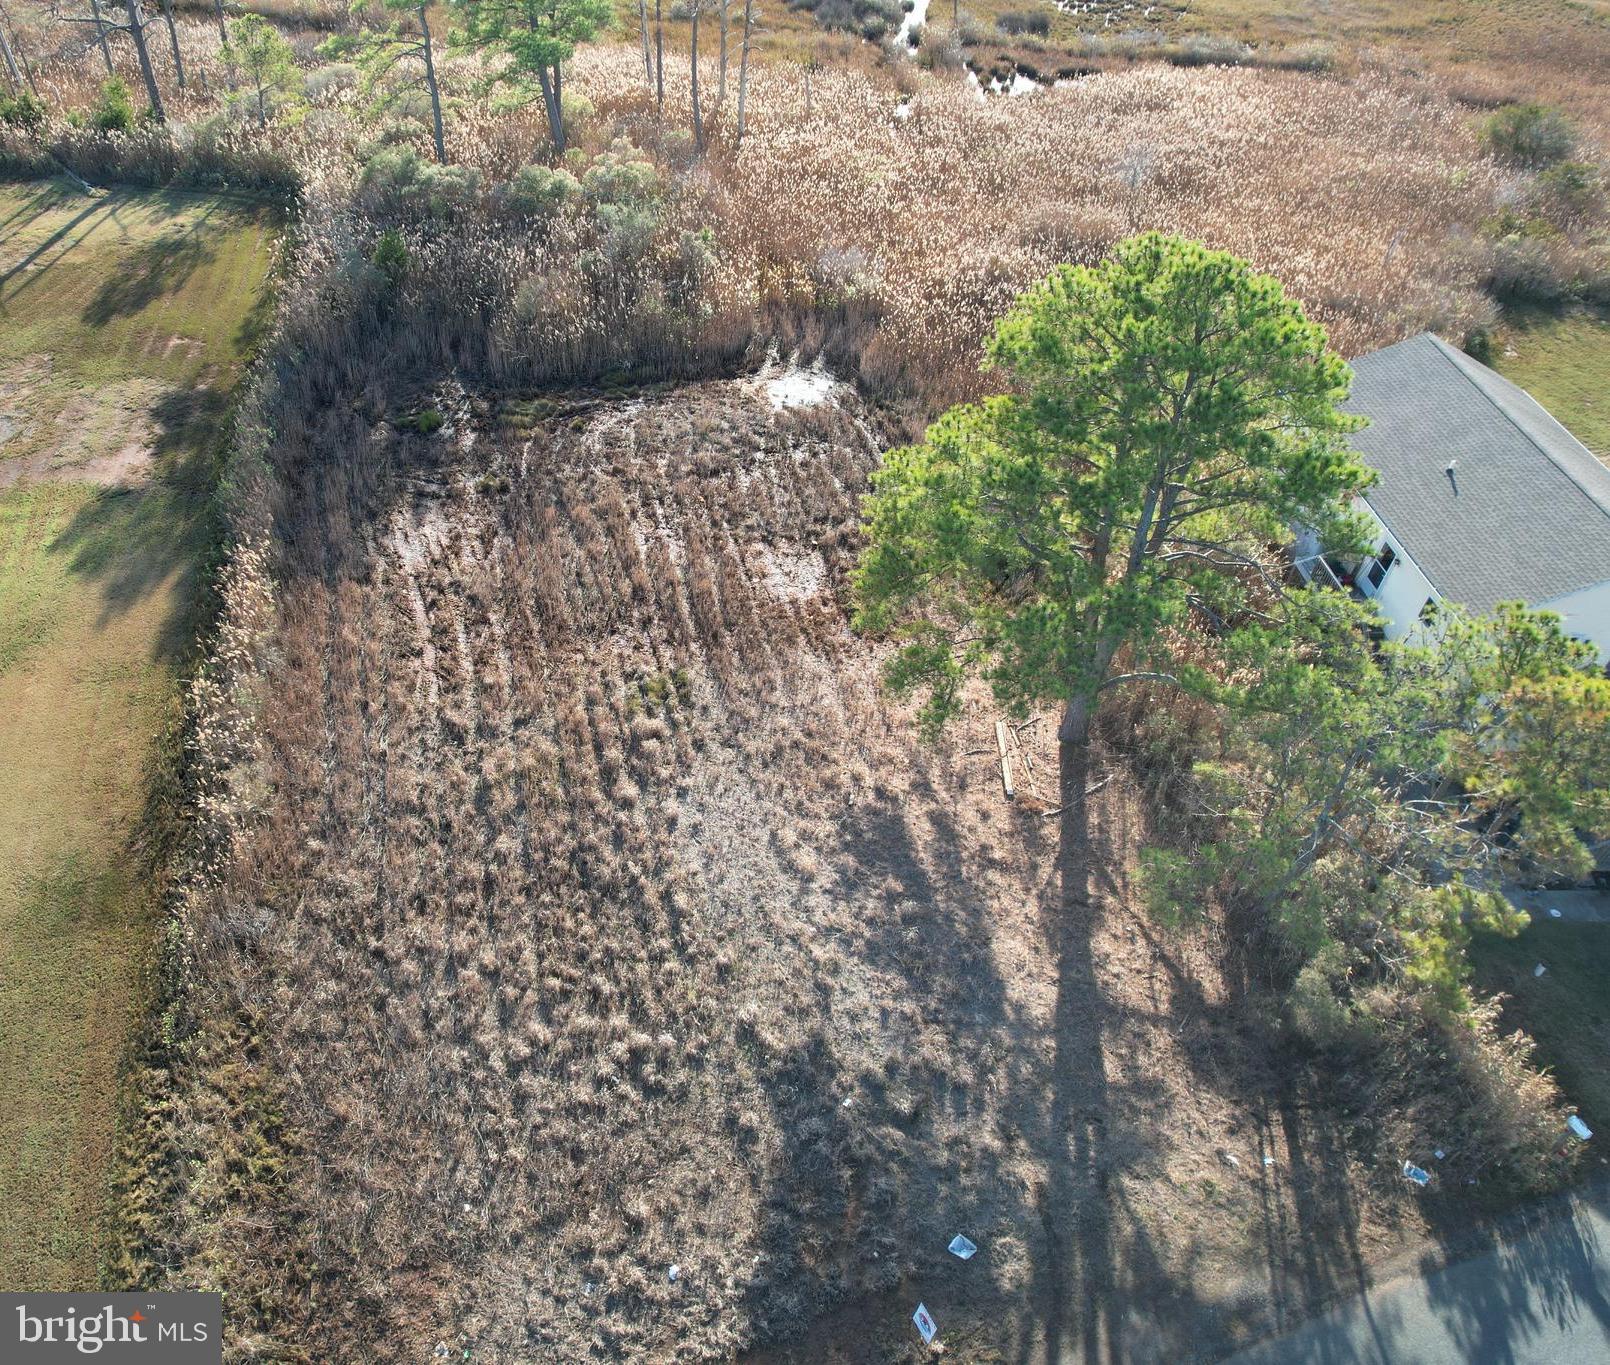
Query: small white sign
[[925, 1323], [963, 1247]]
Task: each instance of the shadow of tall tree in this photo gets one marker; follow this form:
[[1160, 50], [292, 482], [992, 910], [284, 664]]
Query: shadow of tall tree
[[134, 540], [151, 271]]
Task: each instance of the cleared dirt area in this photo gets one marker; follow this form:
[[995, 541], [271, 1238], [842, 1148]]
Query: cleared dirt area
[[633, 985], [107, 437]]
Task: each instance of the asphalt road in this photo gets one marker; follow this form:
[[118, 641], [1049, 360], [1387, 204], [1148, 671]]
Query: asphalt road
[[1538, 1292], [1581, 907]]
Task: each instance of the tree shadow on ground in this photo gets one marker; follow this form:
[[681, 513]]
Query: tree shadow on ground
[[1548, 1267], [132, 540], [1529, 1287], [39, 202], [151, 271], [1068, 1269], [25, 268], [1314, 1120], [1102, 1291]]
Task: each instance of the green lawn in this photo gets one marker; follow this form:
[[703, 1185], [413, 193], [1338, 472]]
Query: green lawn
[[1564, 363], [123, 322], [1567, 1009]]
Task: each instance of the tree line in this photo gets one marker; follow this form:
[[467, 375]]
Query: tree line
[[393, 43]]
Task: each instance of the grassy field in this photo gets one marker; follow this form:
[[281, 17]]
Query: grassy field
[[1564, 363], [123, 320], [1567, 1009]]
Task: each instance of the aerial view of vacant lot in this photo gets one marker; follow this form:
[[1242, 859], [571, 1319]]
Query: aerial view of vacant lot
[[122, 321], [846, 684]]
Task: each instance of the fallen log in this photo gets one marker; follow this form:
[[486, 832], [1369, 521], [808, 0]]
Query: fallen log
[[1006, 762]]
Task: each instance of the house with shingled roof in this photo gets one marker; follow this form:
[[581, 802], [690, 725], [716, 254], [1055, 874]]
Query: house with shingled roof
[[1482, 497]]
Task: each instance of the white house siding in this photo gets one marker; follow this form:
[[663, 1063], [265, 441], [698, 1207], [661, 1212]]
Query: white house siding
[[1586, 614], [1403, 591]]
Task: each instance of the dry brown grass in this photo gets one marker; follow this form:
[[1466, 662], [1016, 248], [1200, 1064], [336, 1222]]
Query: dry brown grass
[[560, 870], [580, 909], [899, 212], [1358, 196]]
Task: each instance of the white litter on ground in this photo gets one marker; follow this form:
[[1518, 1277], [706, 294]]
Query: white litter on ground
[[674, 1274], [964, 1247], [925, 1323], [1579, 1130], [1539, 969], [1414, 1173], [1553, 913]]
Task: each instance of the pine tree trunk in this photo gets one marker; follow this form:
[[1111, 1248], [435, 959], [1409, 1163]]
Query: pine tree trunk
[[743, 65], [1075, 727], [1081, 707], [223, 28], [137, 32], [437, 131], [550, 101], [659, 60], [173, 41], [698, 117], [100, 36]]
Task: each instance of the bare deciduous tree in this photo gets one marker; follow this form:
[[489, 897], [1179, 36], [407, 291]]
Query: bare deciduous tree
[[173, 42], [100, 21], [14, 46], [135, 9], [648, 61], [12, 71], [743, 64], [722, 6], [698, 116], [134, 26]]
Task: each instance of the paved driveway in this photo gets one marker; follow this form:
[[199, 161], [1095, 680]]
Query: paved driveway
[[1537, 1294], [1591, 907]]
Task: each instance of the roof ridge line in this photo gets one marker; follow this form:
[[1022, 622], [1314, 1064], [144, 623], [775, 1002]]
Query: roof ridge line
[[1453, 358]]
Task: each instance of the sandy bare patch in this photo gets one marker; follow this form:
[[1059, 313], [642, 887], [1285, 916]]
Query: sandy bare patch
[[106, 436]]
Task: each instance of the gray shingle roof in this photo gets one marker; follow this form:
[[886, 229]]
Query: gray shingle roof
[[1527, 512]]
